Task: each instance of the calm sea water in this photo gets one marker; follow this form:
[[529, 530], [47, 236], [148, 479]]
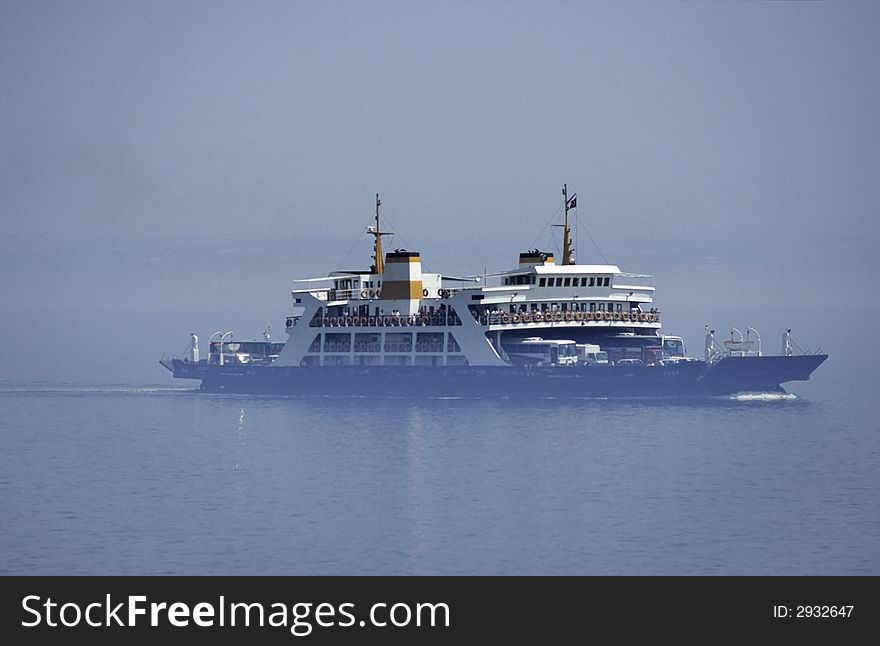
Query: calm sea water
[[165, 480]]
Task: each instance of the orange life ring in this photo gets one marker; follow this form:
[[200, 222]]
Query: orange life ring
[[625, 316], [505, 318], [568, 316], [425, 320], [616, 316], [371, 321], [558, 316], [526, 317], [578, 316], [607, 316], [514, 318], [652, 317], [332, 321], [538, 317], [643, 317], [364, 293], [348, 321]]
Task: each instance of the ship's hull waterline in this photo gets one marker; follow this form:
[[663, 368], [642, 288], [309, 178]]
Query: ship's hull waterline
[[685, 379]]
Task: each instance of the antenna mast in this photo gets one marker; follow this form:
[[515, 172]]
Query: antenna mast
[[377, 233], [566, 240]]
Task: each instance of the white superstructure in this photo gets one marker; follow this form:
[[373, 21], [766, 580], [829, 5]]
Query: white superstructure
[[395, 314]]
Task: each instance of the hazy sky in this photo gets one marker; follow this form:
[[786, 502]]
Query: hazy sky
[[168, 167]]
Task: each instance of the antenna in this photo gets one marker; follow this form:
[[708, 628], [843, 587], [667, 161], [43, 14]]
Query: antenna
[[566, 239], [377, 233]]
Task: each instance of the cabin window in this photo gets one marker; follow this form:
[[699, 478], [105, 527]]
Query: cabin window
[[559, 282], [532, 279], [452, 345], [584, 281], [605, 281], [337, 342], [592, 281], [542, 282], [398, 342], [601, 307], [316, 344], [592, 307], [429, 342], [366, 342], [567, 282]]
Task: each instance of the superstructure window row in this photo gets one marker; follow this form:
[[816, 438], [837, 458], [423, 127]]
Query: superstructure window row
[[393, 342], [574, 281], [520, 279]]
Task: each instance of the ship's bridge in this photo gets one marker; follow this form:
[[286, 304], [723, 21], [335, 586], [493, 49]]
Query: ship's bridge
[[359, 285], [571, 276], [601, 292]]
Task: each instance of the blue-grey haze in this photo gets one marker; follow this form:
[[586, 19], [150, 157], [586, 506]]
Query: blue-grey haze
[[168, 167]]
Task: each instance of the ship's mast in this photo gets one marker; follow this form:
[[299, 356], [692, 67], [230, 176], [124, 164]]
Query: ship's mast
[[377, 233], [566, 240]]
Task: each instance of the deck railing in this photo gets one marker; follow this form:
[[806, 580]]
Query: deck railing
[[426, 320], [528, 318]]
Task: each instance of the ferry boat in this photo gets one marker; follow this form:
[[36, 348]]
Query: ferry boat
[[542, 329]]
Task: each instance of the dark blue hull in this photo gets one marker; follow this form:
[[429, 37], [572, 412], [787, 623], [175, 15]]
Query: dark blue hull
[[683, 379]]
